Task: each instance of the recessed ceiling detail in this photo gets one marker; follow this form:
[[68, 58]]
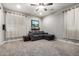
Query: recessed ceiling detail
[[39, 9]]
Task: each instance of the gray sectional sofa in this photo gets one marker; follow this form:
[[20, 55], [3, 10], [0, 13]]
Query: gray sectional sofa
[[37, 35]]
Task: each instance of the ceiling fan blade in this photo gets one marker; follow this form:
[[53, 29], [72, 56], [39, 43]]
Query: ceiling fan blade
[[33, 4], [49, 4]]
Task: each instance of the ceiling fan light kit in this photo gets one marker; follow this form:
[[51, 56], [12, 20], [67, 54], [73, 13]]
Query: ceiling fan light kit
[[41, 7]]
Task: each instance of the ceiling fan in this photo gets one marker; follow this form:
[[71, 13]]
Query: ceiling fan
[[41, 7], [42, 4]]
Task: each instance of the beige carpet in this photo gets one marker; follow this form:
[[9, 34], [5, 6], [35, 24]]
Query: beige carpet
[[39, 48]]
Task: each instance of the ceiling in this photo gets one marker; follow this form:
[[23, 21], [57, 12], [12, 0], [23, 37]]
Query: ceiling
[[31, 10]]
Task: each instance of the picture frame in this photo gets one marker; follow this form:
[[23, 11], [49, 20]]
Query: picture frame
[[35, 24]]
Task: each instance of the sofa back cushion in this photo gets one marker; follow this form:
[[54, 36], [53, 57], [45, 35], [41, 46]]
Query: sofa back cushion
[[36, 32]]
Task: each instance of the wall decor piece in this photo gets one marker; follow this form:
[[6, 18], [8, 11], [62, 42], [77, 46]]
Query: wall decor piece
[[35, 24]]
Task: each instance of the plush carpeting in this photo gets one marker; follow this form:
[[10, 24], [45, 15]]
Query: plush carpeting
[[39, 48]]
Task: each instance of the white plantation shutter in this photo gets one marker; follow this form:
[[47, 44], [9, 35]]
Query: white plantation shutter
[[15, 26], [65, 24], [71, 23], [77, 22]]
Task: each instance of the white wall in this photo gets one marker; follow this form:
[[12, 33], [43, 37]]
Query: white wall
[[54, 24], [1, 23]]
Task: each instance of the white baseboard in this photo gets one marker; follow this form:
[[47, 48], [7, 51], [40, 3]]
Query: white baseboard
[[68, 41], [14, 40], [1, 43]]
